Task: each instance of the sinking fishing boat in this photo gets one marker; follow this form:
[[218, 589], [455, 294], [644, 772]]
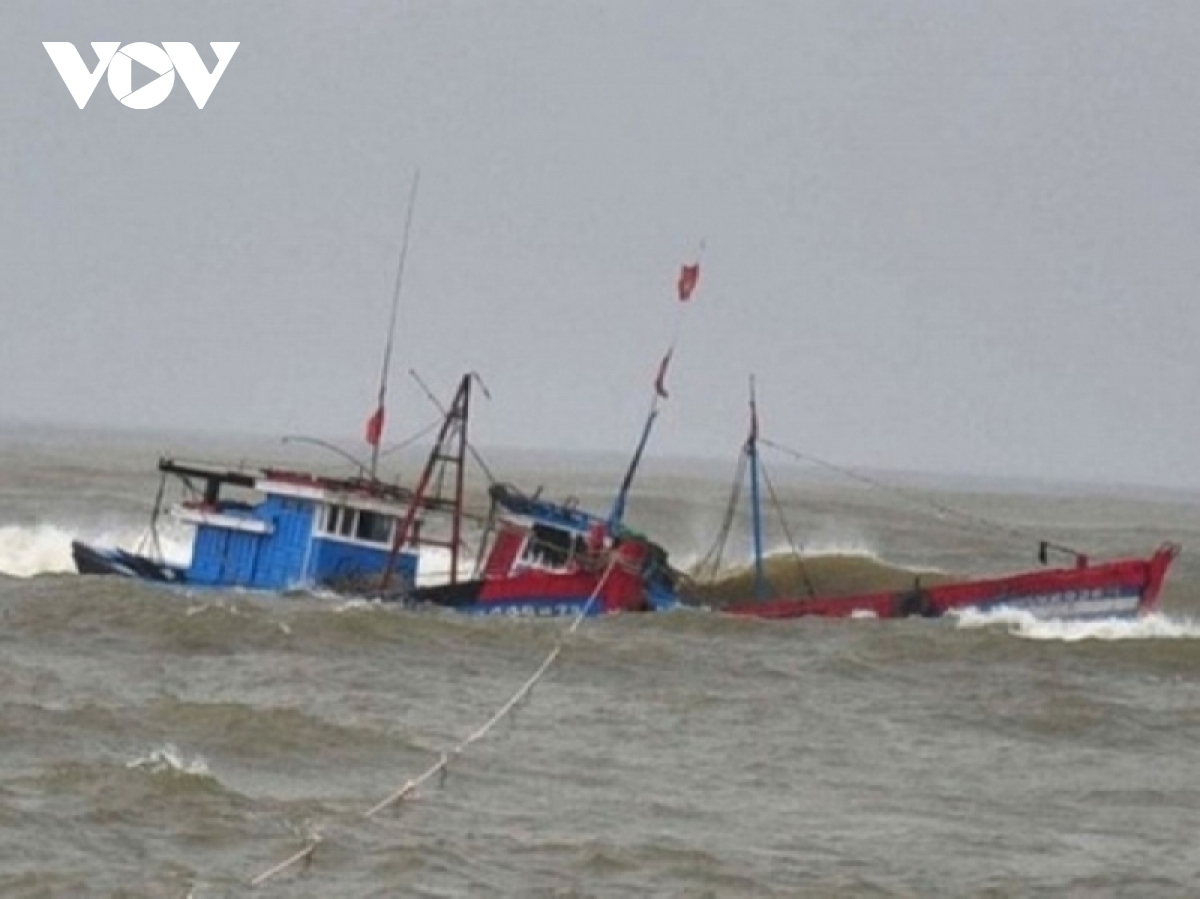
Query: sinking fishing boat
[[278, 529], [281, 529], [1122, 588], [1081, 591], [549, 558]]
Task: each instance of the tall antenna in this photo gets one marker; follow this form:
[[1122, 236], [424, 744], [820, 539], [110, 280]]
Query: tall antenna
[[375, 425], [760, 580]]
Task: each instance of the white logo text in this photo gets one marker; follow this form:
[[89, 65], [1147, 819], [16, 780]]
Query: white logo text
[[117, 60]]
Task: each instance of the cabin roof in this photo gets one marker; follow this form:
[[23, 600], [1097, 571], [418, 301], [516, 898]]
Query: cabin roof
[[295, 482]]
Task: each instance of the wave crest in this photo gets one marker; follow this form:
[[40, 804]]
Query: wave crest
[[838, 571], [1023, 624], [45, 548], [167, 759]]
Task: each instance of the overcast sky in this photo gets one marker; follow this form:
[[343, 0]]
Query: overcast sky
[[951, 236]]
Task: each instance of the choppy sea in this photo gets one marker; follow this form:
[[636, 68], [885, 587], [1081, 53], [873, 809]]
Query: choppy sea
[[172, 743]]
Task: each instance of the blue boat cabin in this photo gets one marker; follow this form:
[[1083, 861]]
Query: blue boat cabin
[[291, 530]]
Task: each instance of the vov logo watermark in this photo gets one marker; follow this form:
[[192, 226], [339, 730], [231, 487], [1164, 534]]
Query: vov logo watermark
[[117, 60]]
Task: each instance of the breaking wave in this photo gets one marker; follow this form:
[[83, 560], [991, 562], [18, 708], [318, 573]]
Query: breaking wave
[[1023, 624], [167, 759], [827, 571], [30, 550]]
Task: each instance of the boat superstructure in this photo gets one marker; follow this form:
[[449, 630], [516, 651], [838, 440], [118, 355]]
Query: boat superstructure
[[548, 558], [276, 529]]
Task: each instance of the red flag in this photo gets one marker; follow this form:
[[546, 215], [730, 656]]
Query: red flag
[[660, 383], [375, 427], [689, 277]]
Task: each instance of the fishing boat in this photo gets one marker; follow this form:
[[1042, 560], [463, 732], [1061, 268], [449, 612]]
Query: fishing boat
[[278, 529], [1083, 590]]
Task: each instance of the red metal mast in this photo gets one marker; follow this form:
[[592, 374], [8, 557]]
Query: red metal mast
[[454, 429]]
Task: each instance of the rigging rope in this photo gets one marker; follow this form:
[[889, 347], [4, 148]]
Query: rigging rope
[[432, 397], [918, 498], [808, 584], [713, 558], [409, 441], [440, 767], [151, 537]]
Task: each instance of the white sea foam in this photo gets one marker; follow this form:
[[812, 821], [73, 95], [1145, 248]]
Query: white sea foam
[[356, 605], [1024, 624], [40, 549], [29, 550], [822, 549], [168, 759]]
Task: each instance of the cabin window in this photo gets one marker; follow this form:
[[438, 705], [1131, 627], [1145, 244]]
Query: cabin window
[[551, 547], [359, 524], [374, 527]]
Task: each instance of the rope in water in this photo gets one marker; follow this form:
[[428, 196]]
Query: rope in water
[[918, 498], [410, 786]]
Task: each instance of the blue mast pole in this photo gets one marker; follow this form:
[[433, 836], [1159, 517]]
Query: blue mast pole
[[688, 278], [617, 515], [760, 580]]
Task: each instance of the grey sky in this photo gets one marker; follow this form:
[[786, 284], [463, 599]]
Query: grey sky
[[947, 236]]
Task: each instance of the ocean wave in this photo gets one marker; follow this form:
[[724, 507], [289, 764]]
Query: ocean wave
[[167, 759], [245, 731], [835, 573], [121, 790], [45, 548]]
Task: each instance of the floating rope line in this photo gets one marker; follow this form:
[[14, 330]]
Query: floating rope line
[[408, 790], [304, 855], [922, 499]]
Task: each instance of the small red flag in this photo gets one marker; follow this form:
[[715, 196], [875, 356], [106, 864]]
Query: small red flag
[[689, 277], [375, 427], [660, 383]]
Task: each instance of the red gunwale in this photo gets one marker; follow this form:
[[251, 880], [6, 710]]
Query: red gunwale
[[1144, 575]]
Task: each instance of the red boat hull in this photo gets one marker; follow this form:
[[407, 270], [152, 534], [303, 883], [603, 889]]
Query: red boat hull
[[1122, 588]]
